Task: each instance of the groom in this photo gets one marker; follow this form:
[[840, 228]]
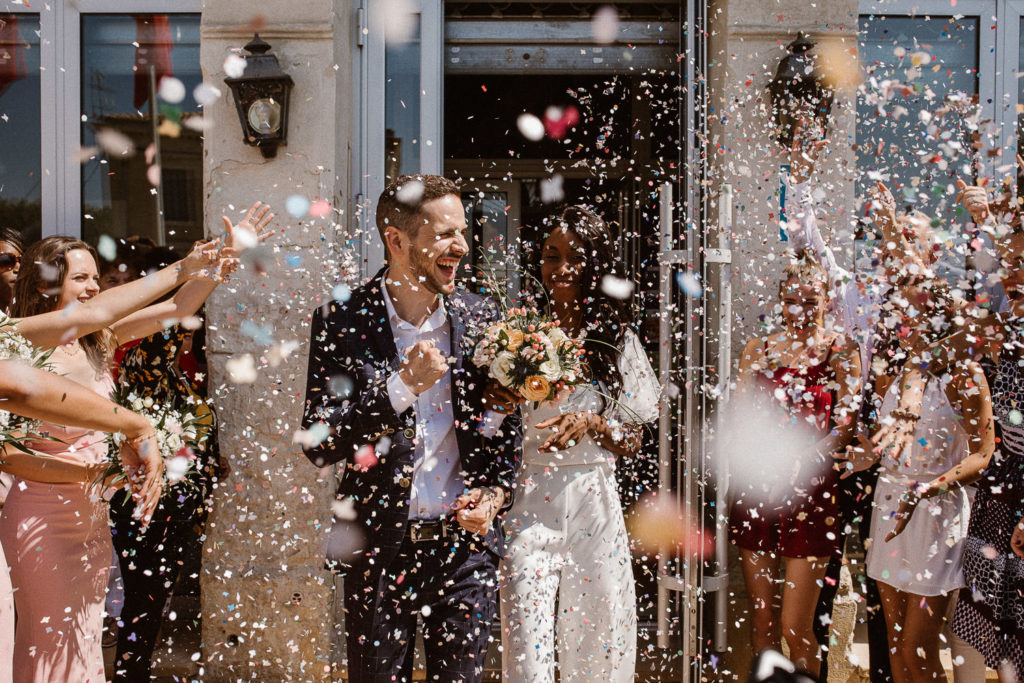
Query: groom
[[390, 375]]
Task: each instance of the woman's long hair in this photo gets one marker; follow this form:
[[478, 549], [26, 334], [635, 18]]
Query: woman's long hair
[[605, 318], [40, 280]]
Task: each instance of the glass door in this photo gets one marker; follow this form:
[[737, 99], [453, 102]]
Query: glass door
[[399, 89]]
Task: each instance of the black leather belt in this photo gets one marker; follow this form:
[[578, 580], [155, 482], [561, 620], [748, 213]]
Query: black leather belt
[[421, 531]]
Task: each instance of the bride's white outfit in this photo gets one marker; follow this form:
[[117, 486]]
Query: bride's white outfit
[[567, 545]]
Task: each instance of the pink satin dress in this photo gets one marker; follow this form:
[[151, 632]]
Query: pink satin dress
[[57, 542]]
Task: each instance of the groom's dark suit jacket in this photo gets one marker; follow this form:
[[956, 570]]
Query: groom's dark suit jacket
[[352, 353]]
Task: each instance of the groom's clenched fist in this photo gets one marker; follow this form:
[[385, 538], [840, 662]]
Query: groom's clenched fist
[[422, 366]]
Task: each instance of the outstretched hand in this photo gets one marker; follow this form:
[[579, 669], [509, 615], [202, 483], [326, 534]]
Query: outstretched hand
[[145, 467], [975, 199], [250, 231], [856, 457], [908, 503], [202, 262], [895, 436], [883, 205]]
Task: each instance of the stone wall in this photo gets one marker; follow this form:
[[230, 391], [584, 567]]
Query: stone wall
[[748, 40], [266, 600]]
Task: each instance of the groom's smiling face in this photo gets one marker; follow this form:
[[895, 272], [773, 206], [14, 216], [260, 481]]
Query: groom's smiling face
[[438, 244]]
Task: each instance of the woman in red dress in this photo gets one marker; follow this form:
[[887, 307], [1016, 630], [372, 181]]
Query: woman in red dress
[[807, 377]]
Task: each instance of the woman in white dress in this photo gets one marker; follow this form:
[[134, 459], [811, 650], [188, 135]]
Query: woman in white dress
[[566, 538], [922, 500]]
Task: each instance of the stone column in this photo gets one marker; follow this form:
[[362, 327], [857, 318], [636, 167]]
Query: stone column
[[747, 40], [267, 602], [751, 40]]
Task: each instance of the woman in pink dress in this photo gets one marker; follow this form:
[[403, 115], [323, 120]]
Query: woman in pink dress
[[56, 535], [41, 395]]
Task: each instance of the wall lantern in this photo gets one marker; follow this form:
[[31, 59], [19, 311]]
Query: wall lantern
[[799, 89], [261, 98]]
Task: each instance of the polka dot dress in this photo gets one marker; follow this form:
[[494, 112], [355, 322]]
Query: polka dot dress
[[990, 612]]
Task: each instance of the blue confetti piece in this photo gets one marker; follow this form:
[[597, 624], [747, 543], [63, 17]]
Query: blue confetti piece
[[262, 335]]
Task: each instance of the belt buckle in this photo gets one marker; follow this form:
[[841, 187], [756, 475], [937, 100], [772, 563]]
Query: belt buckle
[[414, 533]]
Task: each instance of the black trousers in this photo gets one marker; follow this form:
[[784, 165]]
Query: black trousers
[[450, 584], [150, 565], [856, 495]]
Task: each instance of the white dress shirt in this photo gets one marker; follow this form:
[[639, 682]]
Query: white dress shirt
[[437, 472]]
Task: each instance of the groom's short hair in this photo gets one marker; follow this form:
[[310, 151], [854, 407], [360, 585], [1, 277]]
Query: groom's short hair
[[401, 201]]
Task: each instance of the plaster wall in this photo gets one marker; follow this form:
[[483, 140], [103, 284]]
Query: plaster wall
[[267, 603], [747, 42]]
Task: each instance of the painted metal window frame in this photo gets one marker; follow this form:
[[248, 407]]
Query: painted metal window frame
[[369, 86], [1009, 13], [60, 94]]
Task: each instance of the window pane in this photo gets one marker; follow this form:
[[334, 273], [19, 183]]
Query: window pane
[[906, 137], [1020, 98], [402, 105], [117, 197], [494, 249], [20, 158]]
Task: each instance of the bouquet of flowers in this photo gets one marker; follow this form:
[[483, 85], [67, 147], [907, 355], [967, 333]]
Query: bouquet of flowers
[[14, 429], [529, 354], [180, 431]]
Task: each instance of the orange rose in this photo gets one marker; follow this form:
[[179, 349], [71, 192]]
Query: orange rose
[[536, 388], [515, 339]]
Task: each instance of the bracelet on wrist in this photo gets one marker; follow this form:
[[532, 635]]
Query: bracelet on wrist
[[901, 414], [145, 436]]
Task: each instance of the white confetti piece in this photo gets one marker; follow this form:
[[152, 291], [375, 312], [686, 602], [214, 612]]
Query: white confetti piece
[[530, 126], [171, 90]]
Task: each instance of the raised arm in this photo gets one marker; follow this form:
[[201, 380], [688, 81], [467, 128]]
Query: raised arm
[[103, 310], [192, 295], [804, 233]]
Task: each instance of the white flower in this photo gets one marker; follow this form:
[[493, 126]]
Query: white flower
[[483, 354], [501, 366], [550, 369], [557, 337]]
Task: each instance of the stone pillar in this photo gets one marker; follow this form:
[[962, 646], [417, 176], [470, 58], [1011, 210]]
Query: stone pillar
[[748, 41], [267, 602]]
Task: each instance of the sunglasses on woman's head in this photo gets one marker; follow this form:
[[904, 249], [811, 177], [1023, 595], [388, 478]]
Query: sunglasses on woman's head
[[9, 261]]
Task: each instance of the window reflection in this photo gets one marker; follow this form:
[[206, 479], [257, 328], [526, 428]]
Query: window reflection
[[402, 105], [120, 54], [20, 162], [897, 137]]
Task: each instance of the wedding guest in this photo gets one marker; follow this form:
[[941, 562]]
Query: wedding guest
[[991, 619], [917, 558], [41, 395], [810, 376], [855, 301], [11, 247], [152, 557], [567, 544], [59, 605]]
